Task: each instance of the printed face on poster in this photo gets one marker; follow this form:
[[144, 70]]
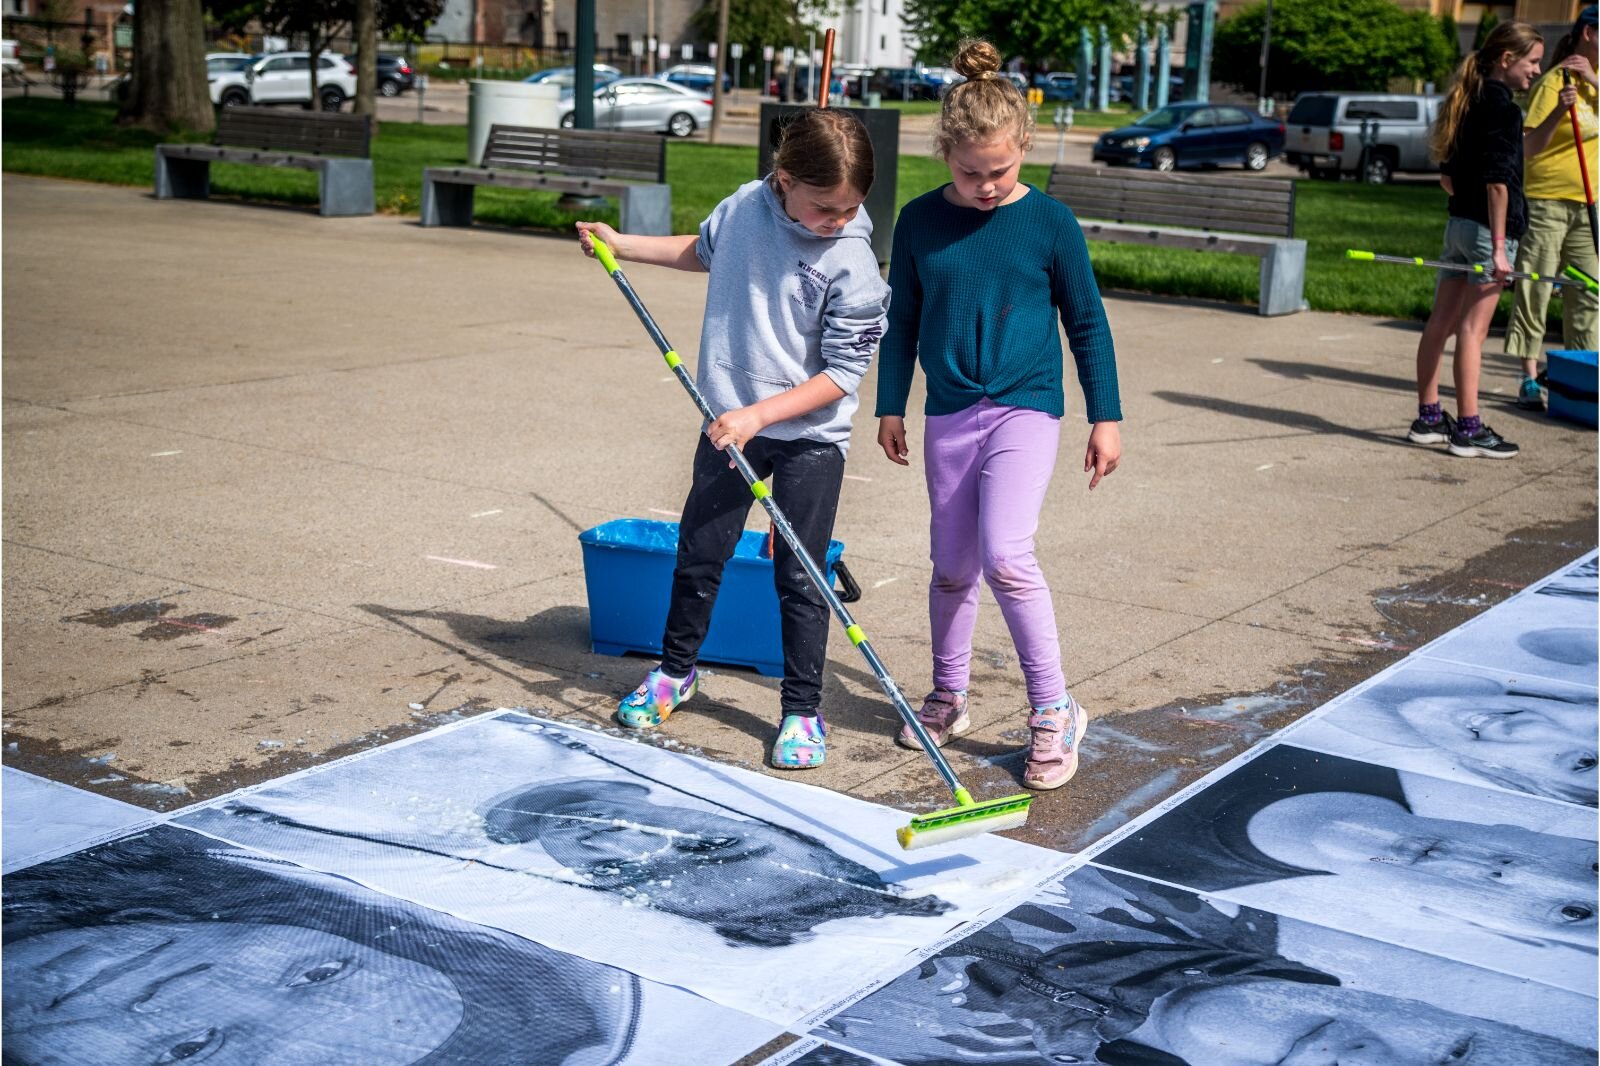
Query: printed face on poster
[[1475, 724], [168, 946], [1110, 968], [1494, 879], [783, 895]]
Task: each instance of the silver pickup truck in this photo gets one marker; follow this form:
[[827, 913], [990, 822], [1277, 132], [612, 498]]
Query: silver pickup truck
[[1323, 134]]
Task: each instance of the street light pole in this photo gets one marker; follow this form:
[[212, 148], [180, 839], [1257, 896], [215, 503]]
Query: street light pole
[[1266, 53], [583, 71], [717, 65], [650, 38]]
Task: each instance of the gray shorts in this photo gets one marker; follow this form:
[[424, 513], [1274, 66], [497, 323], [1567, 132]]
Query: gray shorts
[[1468, 242]]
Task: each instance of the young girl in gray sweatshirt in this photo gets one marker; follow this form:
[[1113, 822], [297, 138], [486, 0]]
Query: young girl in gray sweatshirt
[[794, 312]]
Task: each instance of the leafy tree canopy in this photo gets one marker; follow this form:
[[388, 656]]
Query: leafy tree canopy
[[1332, 44], [325, 17], [1042, 34], [755, 23]]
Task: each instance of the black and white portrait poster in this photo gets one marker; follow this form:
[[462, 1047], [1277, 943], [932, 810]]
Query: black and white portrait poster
[[1489, 878], [44, 818], [1549, 631], [809, 1051], [1581, 580], [167, 946], [1104, 967], [766, 896], [1467, 723]]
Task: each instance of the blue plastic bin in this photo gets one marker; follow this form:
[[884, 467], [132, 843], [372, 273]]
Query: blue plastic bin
[[627, 568], [1571, 381]]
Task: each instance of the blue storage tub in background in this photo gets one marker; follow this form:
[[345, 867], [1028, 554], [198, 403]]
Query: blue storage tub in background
[[1571, 381], [627, 568]]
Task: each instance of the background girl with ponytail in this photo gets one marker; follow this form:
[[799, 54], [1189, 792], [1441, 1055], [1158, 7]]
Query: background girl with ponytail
[[980, 270], [1479, 143]]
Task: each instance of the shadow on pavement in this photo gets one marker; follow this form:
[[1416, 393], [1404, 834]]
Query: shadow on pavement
[[1296, 420]]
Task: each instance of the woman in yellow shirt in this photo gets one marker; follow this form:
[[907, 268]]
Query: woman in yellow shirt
[[1558, 232]]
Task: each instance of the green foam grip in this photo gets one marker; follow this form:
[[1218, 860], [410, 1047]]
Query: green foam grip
[[856, 634], [1577, 275], [760, 490], [602, 253], [1353, 254], [672, 358]]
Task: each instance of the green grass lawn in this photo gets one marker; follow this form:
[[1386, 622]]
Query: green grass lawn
[[49, 138]]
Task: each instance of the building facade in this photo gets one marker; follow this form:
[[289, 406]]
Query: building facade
[[552, 23], [871, 35]]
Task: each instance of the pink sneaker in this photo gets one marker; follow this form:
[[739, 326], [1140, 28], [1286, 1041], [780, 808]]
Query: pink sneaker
[[1053, 755], [943, 715]]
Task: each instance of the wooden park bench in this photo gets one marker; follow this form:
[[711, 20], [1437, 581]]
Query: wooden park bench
[[338, 147], [632, 167], [1208, 212]]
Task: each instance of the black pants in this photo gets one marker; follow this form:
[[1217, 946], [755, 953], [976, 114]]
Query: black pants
[[806, 476]]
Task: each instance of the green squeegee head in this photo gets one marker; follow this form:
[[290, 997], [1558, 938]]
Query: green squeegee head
[[968, 820]]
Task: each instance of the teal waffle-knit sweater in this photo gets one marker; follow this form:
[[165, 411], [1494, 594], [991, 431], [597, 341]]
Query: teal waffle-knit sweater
[[976, 295]]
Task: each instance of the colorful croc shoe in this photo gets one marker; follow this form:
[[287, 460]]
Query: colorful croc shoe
[[800, 744], [654, 701]]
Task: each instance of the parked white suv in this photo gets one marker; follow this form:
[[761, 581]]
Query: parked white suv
[[285, 78], [225, 70]]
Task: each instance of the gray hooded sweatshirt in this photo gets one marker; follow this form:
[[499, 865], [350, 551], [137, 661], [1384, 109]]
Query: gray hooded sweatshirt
[[785, 305]]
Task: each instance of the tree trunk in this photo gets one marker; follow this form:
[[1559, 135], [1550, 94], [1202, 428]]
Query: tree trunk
[[366, 32], [168, 88]]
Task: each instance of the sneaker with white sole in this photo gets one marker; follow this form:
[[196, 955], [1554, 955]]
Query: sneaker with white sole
[[943, 714], [1432, 432], [1485, 444], [1053, 749]]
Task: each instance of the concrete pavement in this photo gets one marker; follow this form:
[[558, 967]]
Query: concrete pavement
[[269, 500]]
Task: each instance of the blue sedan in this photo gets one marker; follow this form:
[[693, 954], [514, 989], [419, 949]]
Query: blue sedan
[[1194, 135]]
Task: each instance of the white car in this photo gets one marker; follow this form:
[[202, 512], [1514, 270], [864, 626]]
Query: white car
[[645, 104], [225, 70], [285, 78]]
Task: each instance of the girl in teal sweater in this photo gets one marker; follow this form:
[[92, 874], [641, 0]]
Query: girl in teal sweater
[[980, 270]]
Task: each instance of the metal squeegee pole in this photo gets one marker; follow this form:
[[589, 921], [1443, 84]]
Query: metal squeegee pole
[[781, 523], [1462, 268]]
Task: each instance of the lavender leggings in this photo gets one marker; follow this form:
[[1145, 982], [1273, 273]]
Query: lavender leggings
[[988, 468]]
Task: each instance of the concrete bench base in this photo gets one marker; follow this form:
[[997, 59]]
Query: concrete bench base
[[1283, 259], [183, 172], [447, 194]]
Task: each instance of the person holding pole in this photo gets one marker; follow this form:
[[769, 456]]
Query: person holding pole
[[1559, 185], [1479, 144], [795, 307]]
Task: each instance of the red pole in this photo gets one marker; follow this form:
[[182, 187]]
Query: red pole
[[827, 69], [1583, 164]]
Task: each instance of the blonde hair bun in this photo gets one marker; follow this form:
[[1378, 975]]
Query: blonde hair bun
[[984, 105], [976, 59]]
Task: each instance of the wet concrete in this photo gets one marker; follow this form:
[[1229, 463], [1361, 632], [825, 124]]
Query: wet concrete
[[265, 510]]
